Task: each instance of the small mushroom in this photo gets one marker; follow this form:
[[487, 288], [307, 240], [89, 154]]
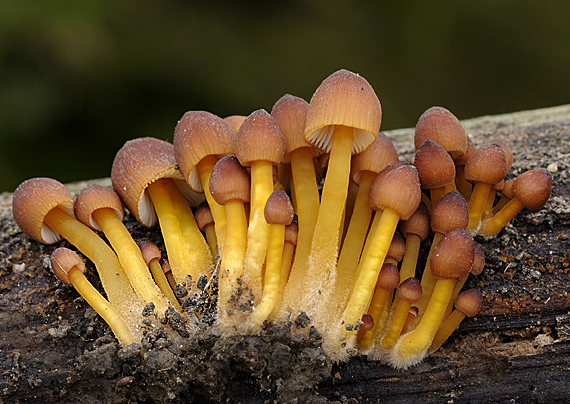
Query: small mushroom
[[69, 268], [409, 292], [205, 222], [440, 125], [436, 169]]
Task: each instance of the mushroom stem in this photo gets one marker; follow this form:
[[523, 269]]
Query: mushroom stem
[[428, 280], [105, 309], [398, 322], [258, 230], [188, 252], [446, 329], [130, 258], [477, 204], [205, 167], [493, 226], [463, 186], [113, 277], [410, 260], [376, 310]]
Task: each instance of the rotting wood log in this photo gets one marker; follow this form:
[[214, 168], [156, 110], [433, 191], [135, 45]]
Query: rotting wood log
[[53, 348]]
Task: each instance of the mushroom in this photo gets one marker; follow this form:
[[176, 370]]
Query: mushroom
[[463, 186], [395, 191], [278, 213], [486, 167], [415, 230], [531, 190], [436, 169], [205, 222], [440, 125], [290, 113], [409, 292], [43, 209], [291, 233], [144, 175], [259, 145], [467, 304], [487, 211], [70, 269], [343, 118], [230, 186], [506, 195], [199, 138], [101, 209], [451, 260], [151, 255], [235, 121], [387, 281]]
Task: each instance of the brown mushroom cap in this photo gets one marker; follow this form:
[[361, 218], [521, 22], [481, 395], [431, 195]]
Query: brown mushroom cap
[[398, 189], [508, 152], [397, 247], [440, 125], [343, 98], [469, 302], [278, 208], [507, 189], [62, 261], [532, 188], [291, 232], [436, 168], [478, 260], [290, 113], [149, 251], [199, 134], [488, 165], [96, 197], [389, 277], [471, 149], [137, 164], [453, 256], [449, 213], [203, 216], [418, 223], [410, 290], [367, 322], [235, 121], [379, 155], [229, 181], [259, 138], [32, 201]]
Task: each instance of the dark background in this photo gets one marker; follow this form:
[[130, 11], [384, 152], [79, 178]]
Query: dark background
[[77, 79]]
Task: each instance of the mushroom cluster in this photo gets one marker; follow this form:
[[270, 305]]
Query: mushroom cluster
[[246, 228]]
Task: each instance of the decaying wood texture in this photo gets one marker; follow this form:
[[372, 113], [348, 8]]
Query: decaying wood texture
[[516, 350]]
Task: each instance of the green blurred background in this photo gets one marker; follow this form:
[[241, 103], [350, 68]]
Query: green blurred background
[[78, 78]]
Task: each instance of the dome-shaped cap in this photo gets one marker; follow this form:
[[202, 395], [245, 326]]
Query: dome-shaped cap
[[450, 212], [436, 168], [62, 261], [199, 134], [32, 201], [149, 251], [278, 208], [410, 290], [488, 165], [453, 256], [139, 163], [343, 98], [469, 302], [379, 155], [399, 189], [96, 197], [440, 125], [418, 223], [532, 188], [229, 181], [389, 277]]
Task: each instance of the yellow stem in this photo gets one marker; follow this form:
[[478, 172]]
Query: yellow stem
[[131, 259], [205, 167], [162, 282], [113, 277], [446, 329], [463, 186], [436, 194], [376, 309], [428, 280], [476, 205], [493, 226], [105, 309], [410, 259], [397, 325], [211, 238], [286, 261], [258, 230]]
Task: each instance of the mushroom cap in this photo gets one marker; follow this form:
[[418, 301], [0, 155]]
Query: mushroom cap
[[453, 256], [291, 232], [410, 290], [343, 98], [278, 208], [235, 121], [478, 260], [229, 180], [436, 168], [488, 165], [203, 216], [398, 188], [469, 302], [508, 152], [532, 188], [367, 322], [450, 212], [290, 113], [440, 125], [397, 247], [389, 277], [199, 134], [418, 223], [149, 251], [379, 155], [32, 201], [471, 149], [139, 163], [259, 138], [62, 261], [507, 190], [96, 197]]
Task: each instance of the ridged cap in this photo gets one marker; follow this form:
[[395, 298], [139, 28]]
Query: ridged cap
[[440, 125], [62, 261], [449, 213], [453, 256], [278, 208], [149, 251], [398, 189], [436, 168], [389, 277], [229, 181], [469, 302], [418, 223], [532, 188], [488, 165], [95, 197], [410, 290], [379, 155]]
